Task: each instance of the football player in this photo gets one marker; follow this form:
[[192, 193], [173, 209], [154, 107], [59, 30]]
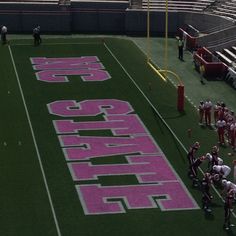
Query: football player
[[193, 169], [207, 111], [213, 159], [4, 34], [205, 188], [232, 134], [201, 112], [223, 171], [227, 186], [191, 154], [228, 208], [221, 125], [217, 108]]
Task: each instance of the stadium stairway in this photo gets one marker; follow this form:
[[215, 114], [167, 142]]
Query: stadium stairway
[[225, 8], [197, 6], [219, 38]]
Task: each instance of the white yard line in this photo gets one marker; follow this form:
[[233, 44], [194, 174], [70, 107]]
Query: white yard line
[[153, 107], [35, 145], [62, 43]]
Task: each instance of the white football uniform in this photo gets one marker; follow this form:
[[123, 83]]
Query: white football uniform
[[229, 185], [223, 170]]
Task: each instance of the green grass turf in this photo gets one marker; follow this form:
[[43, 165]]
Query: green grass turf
[[26, 209]]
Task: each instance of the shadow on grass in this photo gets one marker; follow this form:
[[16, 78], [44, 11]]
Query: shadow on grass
[[215, 205], [178, 147], [206, 127], [209, 216], [158, 121], [181, 114], [229, 232]]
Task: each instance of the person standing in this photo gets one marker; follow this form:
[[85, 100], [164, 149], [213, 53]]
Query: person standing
[[221, 124], [181, 48], [233, 135], [37, 36], [217, 108], [230, 120], [213, 159], [222, 111], [191, 155], [193, 169], [215, 155], [202, 72], [228, 208], [201, 112], [206, 195], [207, 112], [4, 34]]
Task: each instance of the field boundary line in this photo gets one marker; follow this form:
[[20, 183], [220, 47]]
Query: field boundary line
[[62, 43], [159, 115], [35, 145]]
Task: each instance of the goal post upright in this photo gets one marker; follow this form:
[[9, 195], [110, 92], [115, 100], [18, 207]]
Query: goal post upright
[[163, 73], [166, 40], [148, 33]]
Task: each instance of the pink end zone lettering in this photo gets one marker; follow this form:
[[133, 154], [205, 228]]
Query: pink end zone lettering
[[71, 108], [83, 148], [87, 147], [95, 198], [69, 63], [118, 124], [60, 76], [46, 60], [148, 169]]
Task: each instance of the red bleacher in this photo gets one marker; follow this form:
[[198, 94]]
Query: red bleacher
[[213, 69], [191, 41]]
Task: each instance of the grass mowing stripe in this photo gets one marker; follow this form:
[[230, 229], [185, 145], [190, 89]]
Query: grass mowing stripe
[[35, 144], [160, 116]]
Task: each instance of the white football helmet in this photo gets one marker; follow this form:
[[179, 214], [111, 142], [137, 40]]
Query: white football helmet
[[220, 161], [216, 168], [209, 156], [224, 182]]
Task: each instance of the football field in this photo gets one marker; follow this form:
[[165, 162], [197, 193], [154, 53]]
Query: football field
[[92, 144]]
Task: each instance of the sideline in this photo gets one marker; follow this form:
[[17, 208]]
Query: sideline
[[62, 43], [35, 144]]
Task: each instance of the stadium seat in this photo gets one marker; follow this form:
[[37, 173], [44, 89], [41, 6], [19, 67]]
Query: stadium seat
[[226, 8], [198, 5], [230, 54], [234, 49], [223, 58]]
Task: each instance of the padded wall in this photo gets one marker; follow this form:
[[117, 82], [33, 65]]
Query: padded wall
[[98, 17]]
